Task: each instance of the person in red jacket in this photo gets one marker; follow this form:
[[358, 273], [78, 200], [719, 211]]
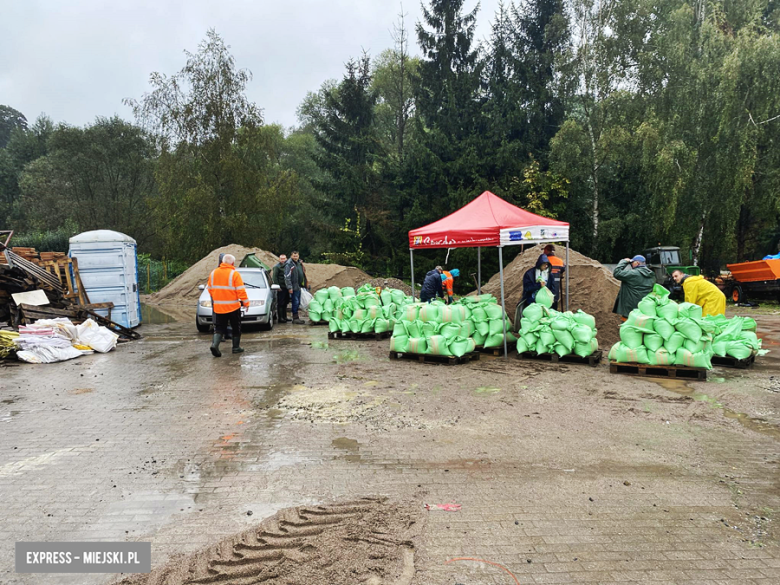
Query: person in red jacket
[[228, 295]]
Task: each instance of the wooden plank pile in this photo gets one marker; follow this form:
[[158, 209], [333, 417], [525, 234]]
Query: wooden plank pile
[[58, 277]]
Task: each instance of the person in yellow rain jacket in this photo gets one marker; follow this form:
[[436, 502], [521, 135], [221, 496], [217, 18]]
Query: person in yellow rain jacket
[[702, 292], [228, 295], [448, 283]]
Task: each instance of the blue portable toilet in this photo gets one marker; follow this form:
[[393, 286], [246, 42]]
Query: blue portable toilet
[[108, 266]]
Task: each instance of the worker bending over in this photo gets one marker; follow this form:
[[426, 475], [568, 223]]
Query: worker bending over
[[448, 281], [636, 282], [432, 286], [702, 292], [228, 295]]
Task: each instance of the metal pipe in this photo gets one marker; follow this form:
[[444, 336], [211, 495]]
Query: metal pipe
[[503, 303], [411, 257], [479, 271], [566, 274]]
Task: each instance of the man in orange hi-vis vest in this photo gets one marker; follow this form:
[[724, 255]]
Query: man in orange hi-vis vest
[[448, 282], [228, 294]]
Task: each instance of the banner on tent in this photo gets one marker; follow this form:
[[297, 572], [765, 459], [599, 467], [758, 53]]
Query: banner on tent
[[534, 234]]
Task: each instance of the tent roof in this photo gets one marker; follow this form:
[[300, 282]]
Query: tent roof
[[479, 223]]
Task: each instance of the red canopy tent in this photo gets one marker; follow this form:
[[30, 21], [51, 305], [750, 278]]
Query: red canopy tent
[[486, 222]]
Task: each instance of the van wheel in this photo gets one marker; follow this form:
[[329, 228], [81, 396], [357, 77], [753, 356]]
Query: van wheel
[[737, 295], [202, 328], [270, 325]]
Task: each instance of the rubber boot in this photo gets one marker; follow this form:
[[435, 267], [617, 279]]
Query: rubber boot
[[236, 344], [216, 340], [297, 320]]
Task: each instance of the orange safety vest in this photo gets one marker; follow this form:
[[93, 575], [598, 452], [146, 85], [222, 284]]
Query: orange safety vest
[[556, 264], [449, 283], [226, 288]]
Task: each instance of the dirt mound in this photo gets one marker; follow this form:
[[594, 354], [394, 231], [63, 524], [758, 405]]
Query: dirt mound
[[367, 541], [327, 275], [592, 288], [185, 286]]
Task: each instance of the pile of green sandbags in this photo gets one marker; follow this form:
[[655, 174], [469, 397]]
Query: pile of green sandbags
[[361, 311], [661, 332], [734, 337], [545, 330], [452, 330]]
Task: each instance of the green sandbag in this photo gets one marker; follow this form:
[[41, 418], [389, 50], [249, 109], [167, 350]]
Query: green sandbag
[[467, 328], [386, 296], [694, 346], [522, 347], [399, 343], [496, 326], [748, 324], [334, 325], [647, 306], [750, 338], [494, 340], [450, 330], [560, 323], [479, 338], [533, 312], [530, 340], [372, 301], [381, 325], [689, 310], [360, 315], [668, 311], [594, 344], [430, 328], [345, 326], [374, 312], [544, 297], [720, 348], [542, 347], [692, 360], [438, 345], [414, 329], [412, 312], [327, 315], [583, 349], [653, 342], [547, 338], [399, 328], [347, 292], [561, 349], [664, 328], [689, 328], [482, 327], [660, 294], [660, 357], [565, 339], [638, 319], [418, 345], [367, 326], [460, 346], [478, 314], [675, 342], [315, 306], [527, 326], [397, 296], [621, 353], [493, 312], [334, 293], [453, 314], [584, 319], [631, 337], [347, 312], [315, 316], [582, 333], [738, 350], [355, 326], [388, 311], [430, 312], [321, 295]]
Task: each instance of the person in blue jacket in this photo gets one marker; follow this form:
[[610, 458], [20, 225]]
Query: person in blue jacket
[[432, 286], [537, 277]]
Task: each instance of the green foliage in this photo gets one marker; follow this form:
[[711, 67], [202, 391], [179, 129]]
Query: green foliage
[[155, 274], [57, 240], [10, 120]]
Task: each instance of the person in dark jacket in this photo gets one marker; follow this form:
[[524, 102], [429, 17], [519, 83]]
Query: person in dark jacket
[[432, 286], [282, 295], [636, 281], [295, 280], [537, 277]]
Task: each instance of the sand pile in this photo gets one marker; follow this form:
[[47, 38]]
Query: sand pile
[[592, 288], [185, 286]]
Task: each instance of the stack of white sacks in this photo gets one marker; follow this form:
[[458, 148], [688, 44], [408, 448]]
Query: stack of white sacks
[[55, 340]]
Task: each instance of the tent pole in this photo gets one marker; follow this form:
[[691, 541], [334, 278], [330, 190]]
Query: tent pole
[[503, 303], [479, 271], [411, 258], [566, 274]]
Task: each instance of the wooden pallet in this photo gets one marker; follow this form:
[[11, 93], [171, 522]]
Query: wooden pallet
[[350, 335], [592, 360], [732, 362], [317, 323], [678, 372], [496, 351], [449, 360]]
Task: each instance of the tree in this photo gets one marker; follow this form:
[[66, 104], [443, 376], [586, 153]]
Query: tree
[[10, 120]]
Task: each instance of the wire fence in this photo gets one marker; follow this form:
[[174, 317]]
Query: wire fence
[[155, 274]]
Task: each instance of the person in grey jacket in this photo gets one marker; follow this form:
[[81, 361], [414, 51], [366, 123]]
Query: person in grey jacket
[[295, 280]]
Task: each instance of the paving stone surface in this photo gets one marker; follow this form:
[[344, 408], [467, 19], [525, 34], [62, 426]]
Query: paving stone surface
[[564, 473]]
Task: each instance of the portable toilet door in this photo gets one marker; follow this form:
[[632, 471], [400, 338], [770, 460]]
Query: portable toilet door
[[108, 266]]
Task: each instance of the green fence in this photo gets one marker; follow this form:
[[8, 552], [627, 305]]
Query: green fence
[[155, 274]]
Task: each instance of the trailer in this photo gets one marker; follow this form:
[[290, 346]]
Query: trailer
[[759, 279]]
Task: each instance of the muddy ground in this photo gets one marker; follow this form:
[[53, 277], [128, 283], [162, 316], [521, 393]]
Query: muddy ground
[[559, 473]]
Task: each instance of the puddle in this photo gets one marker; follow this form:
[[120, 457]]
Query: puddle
[[351, 446], [153, 316], [486, 390], [754, 424]]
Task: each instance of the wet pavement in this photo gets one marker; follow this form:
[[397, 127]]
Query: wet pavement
[[565, 473]]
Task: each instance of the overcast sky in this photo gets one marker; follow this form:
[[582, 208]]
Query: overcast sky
[[76, 60]]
